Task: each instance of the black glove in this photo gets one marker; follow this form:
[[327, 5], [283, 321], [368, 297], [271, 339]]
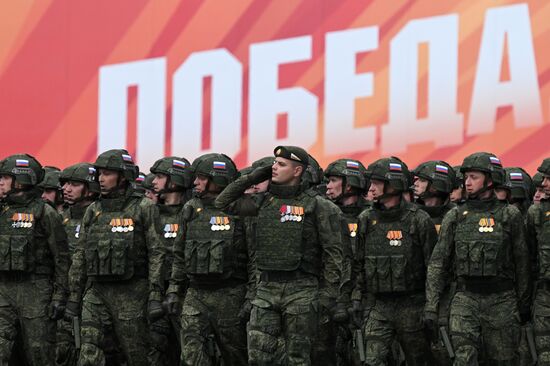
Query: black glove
[[171, 304], [72, 310], [340, 313], [431, 325], [244, 313], [259, 175], [57, 310], [154, 310], [356, 313]]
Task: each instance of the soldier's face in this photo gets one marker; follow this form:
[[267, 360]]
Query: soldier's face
[[456, 195], [72, 191], [376, 188], [108, 180], [151, 195], [201, 183], [5, 184], [285, 171], [159, 182], [539, 195], [473, 181], [420, 185], [48, 195], [502, 194], [546, 184], [334, 187]]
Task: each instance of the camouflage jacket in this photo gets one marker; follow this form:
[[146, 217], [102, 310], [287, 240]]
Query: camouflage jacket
[[483, 241], [119, 239], [538, 239], [33, 233], [319, 225], [394, 249]]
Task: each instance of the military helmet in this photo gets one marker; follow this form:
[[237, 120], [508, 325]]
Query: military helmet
[[487, 163], [148, 182], [25, 169], [118, 160], [218, 167], [352, 170], [537, 180], [178, 169], [459, 177], [439, 173], [544, 168], [50, 180], [313, 173], [519, 183], [81, 172], [392, 171], [246, 170]]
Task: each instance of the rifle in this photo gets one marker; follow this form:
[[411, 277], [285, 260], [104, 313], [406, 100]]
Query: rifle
[[359, 344], [76, 332], [446, 342]]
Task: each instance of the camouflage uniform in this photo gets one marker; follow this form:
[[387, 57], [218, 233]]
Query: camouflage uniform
[[33, 266], [165, 332], [296, 255], [441, 177], [538, 234], [120, 255], [51, 182], [212, 258], [394, 248], [353, 173], [484, 242], [66, 353]]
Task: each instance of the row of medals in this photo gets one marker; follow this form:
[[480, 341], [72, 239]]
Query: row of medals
[[288, 217], [395, 243], [484, 229], [171, 230], [220, 227], [486, 225], [21, 224]]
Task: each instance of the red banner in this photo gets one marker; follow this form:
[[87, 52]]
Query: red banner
[[343, 78]]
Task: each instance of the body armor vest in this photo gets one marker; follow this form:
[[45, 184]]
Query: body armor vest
[[286, 235], [542, 227], [214, 244], [394, 257], [115, 241], [482, 244], [72, 223], [437, 213], [23, 246]]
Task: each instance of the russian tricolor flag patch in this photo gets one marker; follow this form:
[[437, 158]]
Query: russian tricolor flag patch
[[219, 165], [441, 169], [352, 164], [127, 158], [495, 160], [21, 162], [516, 176], [179, 163], [396, 167]]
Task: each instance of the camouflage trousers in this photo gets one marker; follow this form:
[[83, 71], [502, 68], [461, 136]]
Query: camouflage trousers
[[396, 317], [541, 325], [283, 311], [117, 309], [488, 319], [324, 347], [66, 353], [165, 341], [24, 306], [211, 330]]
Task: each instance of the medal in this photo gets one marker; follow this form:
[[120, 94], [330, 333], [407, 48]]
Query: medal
[[394, 236]]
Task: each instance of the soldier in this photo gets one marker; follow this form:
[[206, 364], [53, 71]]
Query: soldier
[[395, 242], [538, 234], [80, 189], [138, 184], [517, 189], [149, 188], [482, 242], [172, 179], [119, 257], [33, 266], [212, 258], [434, 183], [295, 241], [457, 195], [52, 193], [346, 184], [539, 189]]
